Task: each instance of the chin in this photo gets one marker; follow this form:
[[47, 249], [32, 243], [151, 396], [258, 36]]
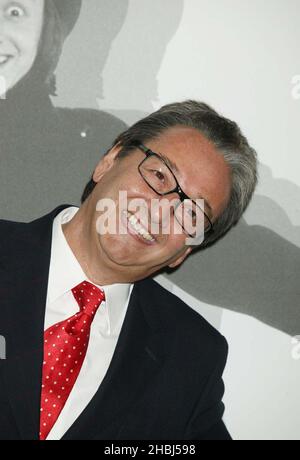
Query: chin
[[116, 249]]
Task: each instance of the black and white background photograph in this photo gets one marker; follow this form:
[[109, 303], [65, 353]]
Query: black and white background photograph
[[74, 75]]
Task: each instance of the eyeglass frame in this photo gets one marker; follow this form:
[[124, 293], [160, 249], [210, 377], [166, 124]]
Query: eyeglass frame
[[182, 196]]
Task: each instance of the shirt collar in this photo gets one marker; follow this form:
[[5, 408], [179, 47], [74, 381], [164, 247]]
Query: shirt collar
[[66, 273]]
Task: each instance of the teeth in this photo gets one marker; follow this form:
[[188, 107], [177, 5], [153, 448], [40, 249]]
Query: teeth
[[140, 230]]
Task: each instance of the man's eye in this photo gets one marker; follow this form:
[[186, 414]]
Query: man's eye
[[15, 12], [160, 176], [192, 214]]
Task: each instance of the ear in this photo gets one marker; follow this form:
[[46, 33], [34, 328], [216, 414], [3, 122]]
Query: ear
[[181, 258], [106, 163]]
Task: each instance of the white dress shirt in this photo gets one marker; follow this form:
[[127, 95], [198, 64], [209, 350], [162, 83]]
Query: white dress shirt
[[66, 273]]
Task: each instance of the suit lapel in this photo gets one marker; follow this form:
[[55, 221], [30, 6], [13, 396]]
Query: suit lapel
[[24, 279], [138, 357]]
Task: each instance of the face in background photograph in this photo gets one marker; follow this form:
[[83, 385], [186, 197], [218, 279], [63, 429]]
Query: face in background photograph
[[128, 256], [21, 26]]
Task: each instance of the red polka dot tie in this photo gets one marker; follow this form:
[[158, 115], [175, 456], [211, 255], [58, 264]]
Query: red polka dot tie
[[65, 346]]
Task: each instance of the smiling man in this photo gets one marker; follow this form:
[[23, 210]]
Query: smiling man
[[200, 170], [96, 349]]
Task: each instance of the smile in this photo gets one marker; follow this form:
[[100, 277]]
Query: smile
[[138, 228], [4, 59]]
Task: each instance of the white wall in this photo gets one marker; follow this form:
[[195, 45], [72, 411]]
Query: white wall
[[241, 57]]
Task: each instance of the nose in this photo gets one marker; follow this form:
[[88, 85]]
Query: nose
[[6, 27], [2, 29], [162, 211]]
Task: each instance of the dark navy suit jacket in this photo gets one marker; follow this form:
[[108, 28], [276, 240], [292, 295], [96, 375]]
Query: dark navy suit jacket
[[165, 378]]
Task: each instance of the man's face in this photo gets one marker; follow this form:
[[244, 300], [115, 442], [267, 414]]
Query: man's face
[[201, 173], [20, 30]]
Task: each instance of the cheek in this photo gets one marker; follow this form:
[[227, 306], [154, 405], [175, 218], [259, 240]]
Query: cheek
[[28, 46], [178, 243], [25, 51]]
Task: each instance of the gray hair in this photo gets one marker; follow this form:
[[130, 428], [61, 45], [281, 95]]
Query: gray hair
[[223, 133]]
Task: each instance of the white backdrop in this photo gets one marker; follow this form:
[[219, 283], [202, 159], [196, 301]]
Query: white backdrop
[[242, 57]]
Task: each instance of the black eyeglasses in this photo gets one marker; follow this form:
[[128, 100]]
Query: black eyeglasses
[[161, 179]]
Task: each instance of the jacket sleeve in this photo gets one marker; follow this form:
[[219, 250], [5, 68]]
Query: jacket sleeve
[[206, 420]]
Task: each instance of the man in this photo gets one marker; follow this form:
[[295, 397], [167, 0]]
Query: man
[[95, 348]]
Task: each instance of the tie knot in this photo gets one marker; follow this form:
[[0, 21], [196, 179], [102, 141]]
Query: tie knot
[[88, 297]]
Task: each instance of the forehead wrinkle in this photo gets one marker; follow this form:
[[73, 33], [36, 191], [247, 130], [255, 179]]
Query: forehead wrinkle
[[25, 1]]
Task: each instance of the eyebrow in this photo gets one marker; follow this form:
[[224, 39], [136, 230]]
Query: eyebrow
[[174, 167], [169, 162]]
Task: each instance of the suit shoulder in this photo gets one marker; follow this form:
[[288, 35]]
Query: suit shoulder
[[8, 231], [188, 323], [7, 227]]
